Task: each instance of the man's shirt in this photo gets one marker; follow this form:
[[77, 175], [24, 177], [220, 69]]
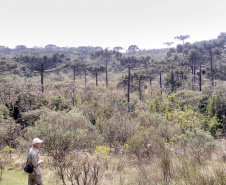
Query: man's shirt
[[33, 158]]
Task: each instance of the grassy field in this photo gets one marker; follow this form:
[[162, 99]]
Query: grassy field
[[16, 178]]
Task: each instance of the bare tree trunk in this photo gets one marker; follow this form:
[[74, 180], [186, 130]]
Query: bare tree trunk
[[106, 74], [172, 81], [74, 73], [42, 79], [85, 77], [194, 74], [211, 65], [96, 80], [200, 76], [139, 84], [73, 93], [128, 98], [160, 79]]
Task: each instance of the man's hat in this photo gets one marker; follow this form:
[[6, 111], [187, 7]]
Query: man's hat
[[37, 140]]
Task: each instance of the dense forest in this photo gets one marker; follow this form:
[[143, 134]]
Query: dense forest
[[110, 116]]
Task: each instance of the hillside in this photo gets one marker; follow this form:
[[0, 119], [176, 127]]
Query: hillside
[[106, 117]]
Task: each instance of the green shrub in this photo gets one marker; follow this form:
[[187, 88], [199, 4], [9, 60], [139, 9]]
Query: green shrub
[[198, 144], [119, 128], [164, 127], [146, 144], [4, 112], [187, 119], [63, 132], [59, 104], [9, 133]]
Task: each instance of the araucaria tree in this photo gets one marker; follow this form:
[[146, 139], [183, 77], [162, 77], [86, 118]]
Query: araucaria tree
[[132, 62], [193, 58], [76, 67], [139, 79], [105, 56], [168, 43], [95, 71], [132, 49], [182, 38], [42, 63]]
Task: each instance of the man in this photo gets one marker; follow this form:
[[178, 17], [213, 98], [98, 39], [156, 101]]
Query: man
[[33, 159]]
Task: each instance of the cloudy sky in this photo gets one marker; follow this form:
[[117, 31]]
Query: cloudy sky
[[109, 23]]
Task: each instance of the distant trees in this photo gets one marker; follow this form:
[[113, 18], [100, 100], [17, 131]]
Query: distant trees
[[118, 48], [139, 79], [76, 67], [6, 65], [95, 71], [106, 56], [132, 49], [168, 43], [130, 63], [42, 63], [182, 38], [193, 58], [212, 49]]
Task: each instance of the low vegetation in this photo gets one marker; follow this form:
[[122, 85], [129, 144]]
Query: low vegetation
[[140, 117]]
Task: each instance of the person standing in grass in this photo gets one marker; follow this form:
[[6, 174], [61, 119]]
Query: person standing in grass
[[33, 159]]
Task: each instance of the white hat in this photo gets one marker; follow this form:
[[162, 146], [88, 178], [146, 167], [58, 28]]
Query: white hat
[[37, 140]]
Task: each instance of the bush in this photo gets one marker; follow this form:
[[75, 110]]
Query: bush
[[119, 128], [9, 133], [187, 120], [59, 104], [4, 112], [165, 128], [63, 132], [146, 144], [197, 144]]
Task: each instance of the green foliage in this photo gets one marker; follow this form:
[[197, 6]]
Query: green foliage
[[166, 129], [187, 119], [59, 104], [41, 101], [64, 132], [146, 144], [217, 105], [188, 98], [156, 105], [212, 125], [5, 158], [198, 144], [4, 112], [9, 133], [101, 151]]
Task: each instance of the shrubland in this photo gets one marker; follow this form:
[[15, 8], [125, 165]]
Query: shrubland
[[154, 125]]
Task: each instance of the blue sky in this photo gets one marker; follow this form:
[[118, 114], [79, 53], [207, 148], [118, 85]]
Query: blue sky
[[108, 23]]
